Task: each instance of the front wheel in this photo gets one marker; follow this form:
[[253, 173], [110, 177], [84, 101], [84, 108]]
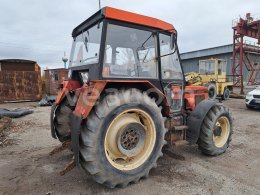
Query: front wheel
[[122, 138], [60, 120], [216, 131]]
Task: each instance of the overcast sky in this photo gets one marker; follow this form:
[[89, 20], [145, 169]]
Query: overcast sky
[[41, 30]]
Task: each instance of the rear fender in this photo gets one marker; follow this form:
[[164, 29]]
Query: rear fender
[[196, 118]]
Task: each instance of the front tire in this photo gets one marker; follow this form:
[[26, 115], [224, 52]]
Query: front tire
[[122, 138], [216, 131], [60, 119]]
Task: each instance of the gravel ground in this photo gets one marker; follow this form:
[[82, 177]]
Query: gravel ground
[[27, 168]]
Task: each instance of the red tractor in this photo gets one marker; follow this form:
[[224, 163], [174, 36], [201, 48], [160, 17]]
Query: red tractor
[[126, 98]]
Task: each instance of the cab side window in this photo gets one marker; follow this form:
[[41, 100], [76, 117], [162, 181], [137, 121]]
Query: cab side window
[[170, 64], [220, 65]]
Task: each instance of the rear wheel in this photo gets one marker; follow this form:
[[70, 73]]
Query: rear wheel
[[216, 131], [122, 138], [212, 90], [226, 94]]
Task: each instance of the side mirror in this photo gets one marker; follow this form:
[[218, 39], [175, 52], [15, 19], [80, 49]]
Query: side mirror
[[173, 41]]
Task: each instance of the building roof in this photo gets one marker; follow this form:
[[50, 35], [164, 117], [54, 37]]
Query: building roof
[[18, 61], [207, 52], [56, 69]]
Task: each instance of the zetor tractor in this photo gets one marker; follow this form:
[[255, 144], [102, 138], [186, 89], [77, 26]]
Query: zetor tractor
[[125, 98]]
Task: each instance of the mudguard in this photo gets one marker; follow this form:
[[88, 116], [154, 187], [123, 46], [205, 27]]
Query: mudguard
[[196, 118]]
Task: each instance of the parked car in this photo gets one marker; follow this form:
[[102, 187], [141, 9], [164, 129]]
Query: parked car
[[253, 98]]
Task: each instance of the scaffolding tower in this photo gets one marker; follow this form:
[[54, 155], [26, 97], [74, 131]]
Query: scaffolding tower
[[242, 51]]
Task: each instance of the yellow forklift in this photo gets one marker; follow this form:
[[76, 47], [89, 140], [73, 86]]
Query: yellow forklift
[[212, 74]]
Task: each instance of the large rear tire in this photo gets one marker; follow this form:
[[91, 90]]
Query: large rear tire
[[122, 138], [216, 131]]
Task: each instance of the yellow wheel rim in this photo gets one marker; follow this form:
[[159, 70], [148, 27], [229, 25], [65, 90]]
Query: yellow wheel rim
[[130, 139], [221, 132]]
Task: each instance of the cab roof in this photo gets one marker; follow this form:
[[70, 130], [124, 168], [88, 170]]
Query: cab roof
[[124, 16]]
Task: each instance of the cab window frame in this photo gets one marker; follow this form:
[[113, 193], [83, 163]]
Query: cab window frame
[[181, 80], [99, 56]]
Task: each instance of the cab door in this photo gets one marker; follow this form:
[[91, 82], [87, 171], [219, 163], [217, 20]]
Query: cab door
[[172, 78], [221, 71]]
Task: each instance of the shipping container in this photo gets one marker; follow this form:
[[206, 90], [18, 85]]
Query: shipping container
[[20, 80]]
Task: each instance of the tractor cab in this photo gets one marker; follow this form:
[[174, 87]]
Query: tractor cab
[[213, 70], [213, 73], [114, 45]]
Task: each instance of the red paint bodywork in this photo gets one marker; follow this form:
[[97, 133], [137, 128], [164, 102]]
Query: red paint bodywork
[[69, 85], [88, 94], [130, 17], [190, 95]]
